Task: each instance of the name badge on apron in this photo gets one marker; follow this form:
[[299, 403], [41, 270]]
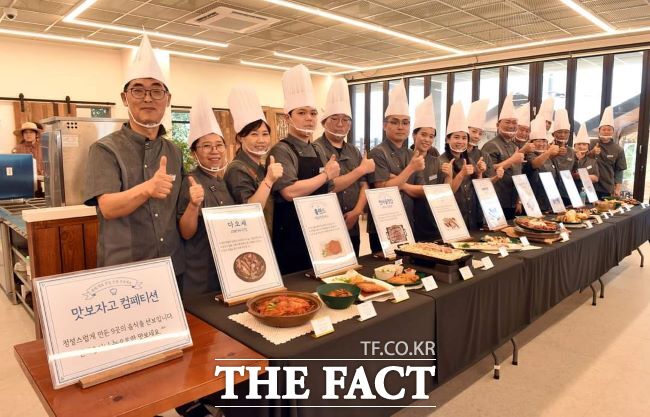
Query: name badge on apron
[[610, 156], [433, 177], [589, 167]]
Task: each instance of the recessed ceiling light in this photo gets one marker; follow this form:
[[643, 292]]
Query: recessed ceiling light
[[592, 18], [317, 61], [276, 67]]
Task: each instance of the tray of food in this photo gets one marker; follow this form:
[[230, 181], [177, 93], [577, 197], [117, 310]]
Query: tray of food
[[371, 288], [284, 308], [517, 232], [487, 246], [535, 225], [432, 252]]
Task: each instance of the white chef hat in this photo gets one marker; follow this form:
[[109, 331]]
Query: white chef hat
[[582, 136], [457, 121], [608, 117], [397, 101], [546, 109], [145, 64], [202, 121], [476, 116], [523, 115], [508, 109], [424, 114], [538, 128], [244, 107], [561, 121], [549, 134], [297, 88], [338, 99]]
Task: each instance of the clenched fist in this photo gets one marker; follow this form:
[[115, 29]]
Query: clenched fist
[[417, 162], [160, 185], [196, 192], [332, 168], [274, 171]]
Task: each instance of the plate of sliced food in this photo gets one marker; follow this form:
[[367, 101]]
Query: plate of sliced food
[[573, 218], [371, 288], [432, 252], [536, 225], [487, 246]]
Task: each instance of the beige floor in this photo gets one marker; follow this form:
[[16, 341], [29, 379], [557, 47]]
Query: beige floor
[[577, 360]]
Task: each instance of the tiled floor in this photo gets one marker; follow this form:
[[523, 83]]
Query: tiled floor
[[575, 361]]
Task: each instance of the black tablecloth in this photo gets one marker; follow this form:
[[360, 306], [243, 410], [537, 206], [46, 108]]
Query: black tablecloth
[[632, 230]]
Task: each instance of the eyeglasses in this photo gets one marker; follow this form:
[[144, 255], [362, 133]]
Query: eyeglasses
[[342, 120], [397, 122], [208, 147], [155, 93]]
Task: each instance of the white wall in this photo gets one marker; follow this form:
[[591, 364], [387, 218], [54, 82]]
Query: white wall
[[42, 69]]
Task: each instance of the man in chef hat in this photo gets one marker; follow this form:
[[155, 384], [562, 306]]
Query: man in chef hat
[[546, 111], [396, 164], [351, 184], [610, 157], [304, 173], [134, 175], [523, 125], [540, 159], [475, 123], [505, 154], [565, 159], [583, 159]]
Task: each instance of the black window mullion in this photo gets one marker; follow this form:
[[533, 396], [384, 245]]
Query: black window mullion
[[503, 87], [572, 67], [476, 84], [450, 93], [643, 132], [608, 73], [366, 117]]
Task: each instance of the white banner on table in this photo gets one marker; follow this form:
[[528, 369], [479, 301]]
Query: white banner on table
[[570, 187], [242, 250], [387, 210], [526, 195], [326, 235], [553, 194], [588, 185], [99, 319], [490, 204], [445, 210]]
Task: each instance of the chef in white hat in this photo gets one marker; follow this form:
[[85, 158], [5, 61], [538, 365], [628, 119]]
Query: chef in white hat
[[424, 134], [29, 143], [303, 171], [523, 126], [464, 168], [135, 175], [351, 184], [546, 111], [505, 154], [476, 123], [396, 164], [583, 160], [610, 157], [540, 160], [249, 177], [565, 159], [203, 187]]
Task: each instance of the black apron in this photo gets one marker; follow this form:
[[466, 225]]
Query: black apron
[[288, 240]]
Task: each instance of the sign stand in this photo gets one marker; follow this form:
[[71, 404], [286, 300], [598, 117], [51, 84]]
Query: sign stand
[[129, 368], [241, 300]]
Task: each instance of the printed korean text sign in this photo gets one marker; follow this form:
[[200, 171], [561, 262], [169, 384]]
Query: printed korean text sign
[[389, 215]]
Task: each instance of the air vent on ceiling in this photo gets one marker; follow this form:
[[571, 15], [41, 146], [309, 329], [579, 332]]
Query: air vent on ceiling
[[230, 20]]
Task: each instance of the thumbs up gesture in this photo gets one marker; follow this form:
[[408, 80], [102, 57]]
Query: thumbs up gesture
[[417, 162], [160, 185], [274, 170], [500, 172], [196, 192], [367, 165], [481, 166], [447, 168], [332, 168], [468, 168]]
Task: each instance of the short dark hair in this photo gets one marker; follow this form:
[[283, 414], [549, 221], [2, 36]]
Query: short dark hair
[[417, 129], [126, 86], [246, 130]]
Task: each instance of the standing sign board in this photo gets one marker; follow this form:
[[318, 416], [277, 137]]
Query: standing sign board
[[553, 194], [445, 211], [570, 187], [490, 204], [393, 227], [526, 195], [588, 185]]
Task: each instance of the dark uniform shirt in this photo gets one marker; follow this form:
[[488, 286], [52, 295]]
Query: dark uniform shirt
[[535, 180], [465, 195], [611, 164], [118, 162], [564, 162], [475, 154], [590, 165], [349, 158], [201, 273], [425, 224], [500, 149]]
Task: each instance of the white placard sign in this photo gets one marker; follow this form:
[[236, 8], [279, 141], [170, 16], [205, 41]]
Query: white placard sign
[[588, 185], [445, 211], [390, 219], [328, 241], [490, 204], [242, 250], [99, 319], [550, 187], [570, 187], [526, 195]]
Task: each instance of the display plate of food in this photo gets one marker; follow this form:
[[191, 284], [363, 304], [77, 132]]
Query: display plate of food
[[574, 217], [284, 308], [487, 246], [249, 267], [432, 252], [536, 225], [371, 288]]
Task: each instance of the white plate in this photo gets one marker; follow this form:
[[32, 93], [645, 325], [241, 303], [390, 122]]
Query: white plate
[[345, 278]]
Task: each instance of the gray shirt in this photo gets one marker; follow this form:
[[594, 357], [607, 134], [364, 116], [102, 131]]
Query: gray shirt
[[590, 165], [564, 162], [201, 274], [535, 180], [116, 163], [500, 149], [243, 177], [611, 165]]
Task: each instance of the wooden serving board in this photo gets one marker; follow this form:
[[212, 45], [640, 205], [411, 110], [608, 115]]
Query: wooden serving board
[[534, 237]]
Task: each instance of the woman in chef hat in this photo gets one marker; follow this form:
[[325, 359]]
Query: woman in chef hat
[[540, 160], [583, 159]]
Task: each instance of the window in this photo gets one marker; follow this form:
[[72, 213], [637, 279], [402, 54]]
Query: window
[[589, 81], [439, 95], [489, 88], [376, 113], [626, 90], [180, 125], [359, 116], [463, 88], [518, 80], [554, 82], [94, 111], [416, 95]]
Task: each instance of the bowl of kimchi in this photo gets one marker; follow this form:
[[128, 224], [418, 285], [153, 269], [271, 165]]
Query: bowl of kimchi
[[284, 308]]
